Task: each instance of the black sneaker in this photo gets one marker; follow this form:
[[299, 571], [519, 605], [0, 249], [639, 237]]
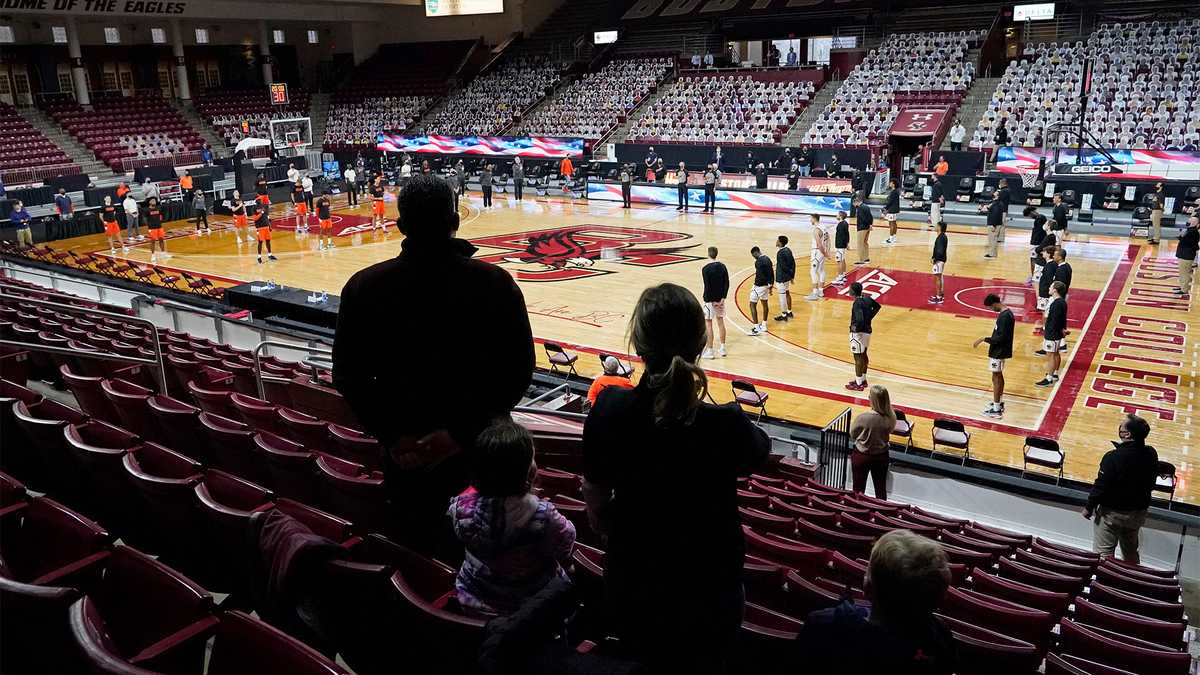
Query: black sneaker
[[260, 260], [1044, 382], [271, 257], [782, 317], [1040, 352]]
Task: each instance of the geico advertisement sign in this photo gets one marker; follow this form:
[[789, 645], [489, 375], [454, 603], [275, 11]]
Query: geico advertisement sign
[[1086, 169]]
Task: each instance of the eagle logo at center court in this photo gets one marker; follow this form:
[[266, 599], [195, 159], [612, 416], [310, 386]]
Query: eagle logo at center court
[[581, 251]]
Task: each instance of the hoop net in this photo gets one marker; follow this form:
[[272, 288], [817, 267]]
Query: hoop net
[[1029, 176]]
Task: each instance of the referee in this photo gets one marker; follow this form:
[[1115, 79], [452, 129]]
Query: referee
[[681, 183]]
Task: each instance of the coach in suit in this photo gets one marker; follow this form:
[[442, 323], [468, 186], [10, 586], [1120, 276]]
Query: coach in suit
[[411, 394]]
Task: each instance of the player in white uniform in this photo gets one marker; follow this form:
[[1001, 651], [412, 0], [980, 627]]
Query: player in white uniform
[[817, 255]]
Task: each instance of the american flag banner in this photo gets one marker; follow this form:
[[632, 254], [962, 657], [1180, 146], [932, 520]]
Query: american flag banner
[[492, 146]]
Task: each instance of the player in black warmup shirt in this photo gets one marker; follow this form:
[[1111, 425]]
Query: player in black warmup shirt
[[1061, 214], [891, 211], [1036, 236], [841, 242], [716, 288], [1044, 276], [325, 223], [764, 278], [108, 215], [1000, 349], [1056, 330], [1004, 196], [862, 312], [940, 245]]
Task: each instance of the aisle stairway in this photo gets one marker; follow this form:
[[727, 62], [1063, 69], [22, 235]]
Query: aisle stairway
[[318, 110], [210, 136], [78, 153], [973, 107], [619, 134], [824, 97]]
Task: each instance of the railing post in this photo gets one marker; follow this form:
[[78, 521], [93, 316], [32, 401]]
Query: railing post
[[833, 458]]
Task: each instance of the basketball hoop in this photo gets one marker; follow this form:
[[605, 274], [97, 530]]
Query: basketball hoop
[[1029, 176]]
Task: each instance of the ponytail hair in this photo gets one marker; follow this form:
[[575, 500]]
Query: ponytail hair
[[667, 331]]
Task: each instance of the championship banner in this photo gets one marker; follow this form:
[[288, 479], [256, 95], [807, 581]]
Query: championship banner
[[823, 205], [1130, 164], [492, 146], [918, 122]]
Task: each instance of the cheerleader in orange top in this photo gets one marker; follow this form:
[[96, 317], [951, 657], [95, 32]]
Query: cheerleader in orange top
[[154, 223], [377, 203], [108, 216], [300, 207], [262, 223], [325, 219], [238, 207]]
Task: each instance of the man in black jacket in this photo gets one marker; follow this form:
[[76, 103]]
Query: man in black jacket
[[891, 211], [1185, 253], [716, 288], [862, 312], [863, 220], [1000, 349], [1120, 495], [785, 272], [995, 220], [764, 278], [411, 396], [1054, 334]]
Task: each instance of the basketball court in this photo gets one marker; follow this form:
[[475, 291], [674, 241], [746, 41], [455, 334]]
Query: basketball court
[[581, 266]]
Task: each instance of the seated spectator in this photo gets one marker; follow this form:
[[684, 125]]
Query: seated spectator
[[610, 378], [897, 632], [675, 586], [515, 543], [411, 395]]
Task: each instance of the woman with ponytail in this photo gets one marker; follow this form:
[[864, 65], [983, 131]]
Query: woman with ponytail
[[872, 434], [660, 479]]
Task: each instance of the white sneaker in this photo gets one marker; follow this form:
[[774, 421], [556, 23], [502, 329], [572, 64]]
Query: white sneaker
[[813, 296], [755, 330], [708, 354], [153, 257], [124, 249], [208, 230], [140, 237], [721, 350], [237, 239], [113, 251], [329, 244]]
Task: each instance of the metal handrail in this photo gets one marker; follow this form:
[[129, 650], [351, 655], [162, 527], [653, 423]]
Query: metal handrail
[[552, 413], [258, 377], [88, 311], [543, 396]]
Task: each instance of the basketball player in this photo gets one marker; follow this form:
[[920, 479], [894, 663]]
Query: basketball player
[[863, 221], [1062, 270], [716, 288], [841, 241], [1000, 345], [785, 272], [1053, 339], [154, 224], [1004, 195], [818, 253], [325, 222], [764, 276], [1044, 276], [262, 224], [862, 311], [891, 211], [940, 244], [108, 215], [937, 200], [299, 207], [1036, 236], [681, 182], [377, 203], [262, 195], [1061, 213], [995, 220], [238, 208]]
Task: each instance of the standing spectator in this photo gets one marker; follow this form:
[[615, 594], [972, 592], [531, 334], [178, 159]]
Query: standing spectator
[[804, 163], [149, 189], [896, 632], [426, 449], [650, 161], [792, 59], [957, 133], [455, 182], [130, 205], [1158, 200], [793, 176], [612, 377], [206, 154], [515, 542], [872, 433], [660, 173], [1000, 138], [716, 288], [200, 211], [485, 184], [681, 186], [186, 185], [565, 168], [518, 177], [20, 218], [631, 441], [351, 179], [1120, 495], [760, 176], [293, 174], [63, 205], [1185, 252], [716, 158]]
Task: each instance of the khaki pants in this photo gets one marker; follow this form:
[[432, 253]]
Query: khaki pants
[[935, 214], [1117, 527], [1155, 225], [864, 249], [1185, 274], [993, 243], [25, 237], [1002, 230]]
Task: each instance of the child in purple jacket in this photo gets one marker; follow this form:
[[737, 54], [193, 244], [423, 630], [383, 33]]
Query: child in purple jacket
[[515, 542]]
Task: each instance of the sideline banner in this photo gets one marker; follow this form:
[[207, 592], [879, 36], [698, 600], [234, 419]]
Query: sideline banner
[[1132, 164], [492, 146], [823, 205]]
